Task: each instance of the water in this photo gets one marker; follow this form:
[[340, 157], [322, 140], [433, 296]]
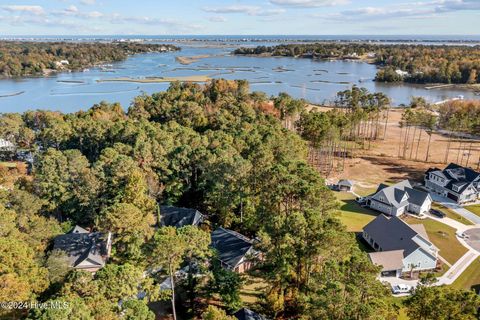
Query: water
[[316, 81]]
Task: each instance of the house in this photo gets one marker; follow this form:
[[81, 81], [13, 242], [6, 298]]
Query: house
[[399, 247], [235, 251], [398, 199], [345, 185], [454, 182], [85, 250], [6, 146], [179, 217], [247, 314]]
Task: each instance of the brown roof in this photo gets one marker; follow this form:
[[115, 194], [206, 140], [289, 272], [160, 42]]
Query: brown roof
[[389, 260]]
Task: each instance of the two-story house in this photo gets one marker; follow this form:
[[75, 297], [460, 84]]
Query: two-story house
[[398, 199], [455, 182]]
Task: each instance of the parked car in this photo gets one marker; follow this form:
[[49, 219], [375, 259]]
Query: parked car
[[463, 235], [361, 200], [401, 288], [437, 213]]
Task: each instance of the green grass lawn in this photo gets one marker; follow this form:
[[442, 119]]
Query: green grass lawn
[[252, 289], [452, 214], [443, 237], [10, 165], [470, 277], [474, 209], [351, 214]]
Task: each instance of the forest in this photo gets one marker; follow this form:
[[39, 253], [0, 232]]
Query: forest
[[18, 59], [423, 63], [217, 148]]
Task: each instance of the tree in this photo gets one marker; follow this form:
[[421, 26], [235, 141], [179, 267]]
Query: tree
[[136, 310], [170, 247], [442, 303], [214, 313], [227, 284], [57, 265]]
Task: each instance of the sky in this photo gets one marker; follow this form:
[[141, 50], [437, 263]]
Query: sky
[[239, 17]]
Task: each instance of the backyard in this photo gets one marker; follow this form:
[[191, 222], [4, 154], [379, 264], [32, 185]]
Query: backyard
[[352, 215]]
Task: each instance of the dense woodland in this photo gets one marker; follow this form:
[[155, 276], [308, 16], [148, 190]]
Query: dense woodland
[[424, 64], [36, 58], [217, 148]]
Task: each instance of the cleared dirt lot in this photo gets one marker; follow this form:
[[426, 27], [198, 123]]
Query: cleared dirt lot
[[382, 162]]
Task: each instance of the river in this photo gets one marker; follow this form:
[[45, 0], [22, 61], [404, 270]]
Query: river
[[315, 81]]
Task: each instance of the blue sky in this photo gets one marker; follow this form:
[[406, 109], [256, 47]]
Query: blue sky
[[166, 17]]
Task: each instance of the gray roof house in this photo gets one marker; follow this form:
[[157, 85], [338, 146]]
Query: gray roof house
[[85, 250], [398, 199], [345, 185], [179, 217], [247, 314], [399, 247], [235, 251], [455, 182]]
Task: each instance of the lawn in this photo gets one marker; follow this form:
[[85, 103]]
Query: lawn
[[470, 277], [351, 214], [9, 165], [474, 209], [452, 214], [252, 288], [443, 237]]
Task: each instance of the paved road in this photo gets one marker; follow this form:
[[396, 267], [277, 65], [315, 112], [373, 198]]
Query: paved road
[[455, 207], [474, 238]]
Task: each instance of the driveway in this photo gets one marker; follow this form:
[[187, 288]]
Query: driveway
[[474, 238], [455, 207]]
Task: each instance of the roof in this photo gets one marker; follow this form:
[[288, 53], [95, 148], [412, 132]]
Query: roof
[[389, 260], [416, 196], [84, 250], [420, 229], [231, 246], [179, 217], [457, 175], [5, 144], [391, 233], [345, 182], [400, 194], [247, 314], [393, 195]]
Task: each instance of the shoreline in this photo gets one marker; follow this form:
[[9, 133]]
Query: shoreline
[[158, 80]]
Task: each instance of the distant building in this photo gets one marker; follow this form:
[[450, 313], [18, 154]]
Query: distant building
[[345, 185], [454, 182], [401, 73], [87, 251], [247, 314], [399, 199], [6, 146], [235, 251], [400, 247], [179, 217]]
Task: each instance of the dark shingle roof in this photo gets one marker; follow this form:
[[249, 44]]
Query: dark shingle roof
[[83, 247], [179, 217], [231, 246], [459, 176], [247, 314], [416, 196], [392, 234]]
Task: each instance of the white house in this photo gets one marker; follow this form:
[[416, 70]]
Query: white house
[[400, 248], [454, 182], [400, 198]]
